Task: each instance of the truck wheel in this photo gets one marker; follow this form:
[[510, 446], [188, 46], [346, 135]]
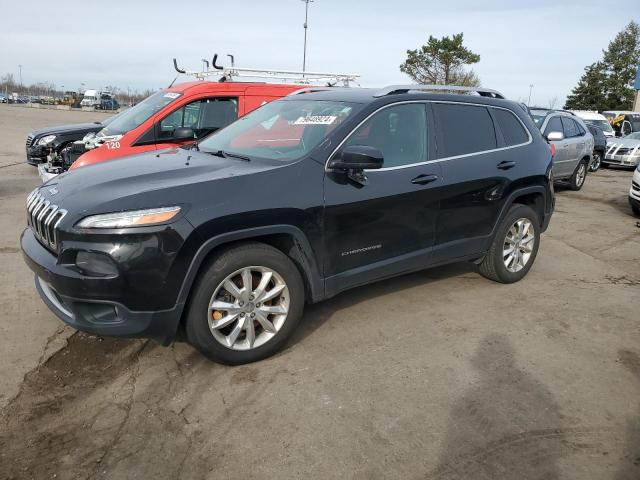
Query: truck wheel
[[595, 162], [245, 305], [579, 175], [514, 247]]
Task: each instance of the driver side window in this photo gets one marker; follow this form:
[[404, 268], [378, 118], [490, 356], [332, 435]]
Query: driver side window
[[399, 132], [203, 116]]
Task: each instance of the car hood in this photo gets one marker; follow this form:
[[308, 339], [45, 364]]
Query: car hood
[[66, 129], [173, 176], [623, 142]]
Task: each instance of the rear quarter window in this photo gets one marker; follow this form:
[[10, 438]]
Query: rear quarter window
[[512, 130], [463, 129]]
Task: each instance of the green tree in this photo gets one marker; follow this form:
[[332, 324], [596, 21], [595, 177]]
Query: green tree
[[608, 84], [589, 94], [441, 62], [621, 59]]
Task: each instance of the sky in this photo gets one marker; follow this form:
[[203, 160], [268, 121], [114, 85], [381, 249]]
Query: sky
[[544, 43]]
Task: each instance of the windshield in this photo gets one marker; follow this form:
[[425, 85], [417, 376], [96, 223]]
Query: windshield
[[603, 124], [135, 116], [282, 130], [538, 117]]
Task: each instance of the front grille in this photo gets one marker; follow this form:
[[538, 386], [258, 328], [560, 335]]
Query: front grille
[[635, 186], [624, 151], [44, 217], [29, 141]]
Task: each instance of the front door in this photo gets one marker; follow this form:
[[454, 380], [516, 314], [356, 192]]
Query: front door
[[385, 226]]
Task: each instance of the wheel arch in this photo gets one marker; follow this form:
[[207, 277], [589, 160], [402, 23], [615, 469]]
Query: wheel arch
[[288, 239], [533, 196]]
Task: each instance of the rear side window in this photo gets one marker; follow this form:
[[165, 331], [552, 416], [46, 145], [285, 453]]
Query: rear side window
[[570, 128], [511, 128], [463, 129]]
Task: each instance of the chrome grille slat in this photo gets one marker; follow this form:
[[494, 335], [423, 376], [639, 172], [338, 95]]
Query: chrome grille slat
[[43, 217]]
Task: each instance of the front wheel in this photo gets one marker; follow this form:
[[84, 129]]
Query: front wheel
[[514, 247], [595, 162], [246, 304], [579, 175]]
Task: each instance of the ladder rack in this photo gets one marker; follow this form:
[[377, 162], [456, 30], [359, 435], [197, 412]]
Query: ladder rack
[[229, 74]]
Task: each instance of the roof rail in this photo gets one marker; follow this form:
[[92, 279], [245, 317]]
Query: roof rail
[[395, 89], [226, 74]]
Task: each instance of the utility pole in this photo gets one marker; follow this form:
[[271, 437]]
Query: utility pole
[[530, 89], [20, 70], [306, 18]]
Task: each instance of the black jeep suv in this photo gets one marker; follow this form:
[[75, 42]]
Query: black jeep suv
[[297, 201]]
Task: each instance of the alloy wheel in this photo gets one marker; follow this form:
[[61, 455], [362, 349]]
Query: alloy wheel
[[518, 245], [595, 163], [248, 308], [581, 174]]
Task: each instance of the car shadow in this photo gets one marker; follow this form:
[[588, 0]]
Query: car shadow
[[506, 426], [316, 315]]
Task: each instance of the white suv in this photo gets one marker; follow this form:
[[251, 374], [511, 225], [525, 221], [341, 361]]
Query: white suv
[[634, 192], [597, 120]]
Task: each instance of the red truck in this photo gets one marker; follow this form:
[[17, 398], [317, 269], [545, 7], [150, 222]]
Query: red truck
[[183, 113], [179, 114]]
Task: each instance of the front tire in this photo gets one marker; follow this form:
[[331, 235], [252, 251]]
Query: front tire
[[576, 181], [246, 304], [514, 247]]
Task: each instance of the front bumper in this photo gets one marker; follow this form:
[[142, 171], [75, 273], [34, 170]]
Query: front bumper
[[622, 160], [73, 297], [45, 176], [37, 154]]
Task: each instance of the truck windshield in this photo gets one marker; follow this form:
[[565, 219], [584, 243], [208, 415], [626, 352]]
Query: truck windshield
[[135, 116], [603, 124], [280, 130]]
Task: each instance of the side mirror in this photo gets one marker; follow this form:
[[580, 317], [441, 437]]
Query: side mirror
[[555, 136], [357, 157], [183, 133]]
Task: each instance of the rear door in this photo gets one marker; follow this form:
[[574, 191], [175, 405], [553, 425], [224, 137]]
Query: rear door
[[575, 145], [479, 163]]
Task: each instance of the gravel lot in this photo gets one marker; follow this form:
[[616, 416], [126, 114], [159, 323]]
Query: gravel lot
[[439, 374]]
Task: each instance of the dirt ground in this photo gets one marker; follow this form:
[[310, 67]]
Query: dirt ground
[[435, 375]]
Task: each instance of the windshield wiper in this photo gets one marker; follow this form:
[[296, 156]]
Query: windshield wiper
[[223, 154]]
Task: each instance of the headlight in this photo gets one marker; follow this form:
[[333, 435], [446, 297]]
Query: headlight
[[133, 218], [46, 140]]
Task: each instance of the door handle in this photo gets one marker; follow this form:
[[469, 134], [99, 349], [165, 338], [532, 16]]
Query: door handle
[[506, 165], [424, 179]]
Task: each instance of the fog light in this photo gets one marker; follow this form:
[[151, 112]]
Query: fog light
[[92, 263]]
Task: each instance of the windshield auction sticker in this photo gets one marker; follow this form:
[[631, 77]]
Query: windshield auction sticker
[[171, 95], [316, 120]]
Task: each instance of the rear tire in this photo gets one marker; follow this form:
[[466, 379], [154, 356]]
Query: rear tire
[[596, 162], [635, 210], [243, 332], [576, 182], [497, 264]]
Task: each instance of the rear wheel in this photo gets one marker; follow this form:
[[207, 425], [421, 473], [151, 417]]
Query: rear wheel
[[514, 247], [579, 175], [595, 162], [635, 210], [246, 304]]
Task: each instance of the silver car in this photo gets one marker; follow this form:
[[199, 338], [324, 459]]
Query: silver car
[[623, 151], [572, 142]]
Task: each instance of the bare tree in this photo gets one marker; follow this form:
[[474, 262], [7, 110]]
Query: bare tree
[[553, 101]]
